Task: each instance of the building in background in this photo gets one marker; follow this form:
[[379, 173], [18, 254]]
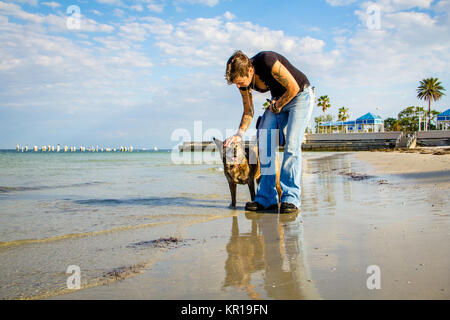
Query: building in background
[[443, 120], [366, 123]]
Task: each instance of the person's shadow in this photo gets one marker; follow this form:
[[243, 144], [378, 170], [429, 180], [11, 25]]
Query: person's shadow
[[273, 251]]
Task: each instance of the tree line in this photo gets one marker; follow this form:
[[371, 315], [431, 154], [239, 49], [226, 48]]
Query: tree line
[[408, 119]]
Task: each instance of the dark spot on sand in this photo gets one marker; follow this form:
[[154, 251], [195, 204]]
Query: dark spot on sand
[[356, 176], [168, 243], [121, 273], [422, 150], [441, 152]]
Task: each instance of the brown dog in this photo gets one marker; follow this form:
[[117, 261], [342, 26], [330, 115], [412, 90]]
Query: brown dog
[[241, 166]]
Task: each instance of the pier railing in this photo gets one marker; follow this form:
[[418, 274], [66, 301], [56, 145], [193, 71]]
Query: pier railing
[[323, 142], [351, 141]]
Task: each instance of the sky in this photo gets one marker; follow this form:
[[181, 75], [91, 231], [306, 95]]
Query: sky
[[138, 72]]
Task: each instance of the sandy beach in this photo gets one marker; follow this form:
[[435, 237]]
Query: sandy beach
[[359, 210], [409, 161]]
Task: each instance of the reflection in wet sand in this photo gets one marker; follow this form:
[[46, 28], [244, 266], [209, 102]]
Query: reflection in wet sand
[[321, 177], [272, 250], [245, 257]]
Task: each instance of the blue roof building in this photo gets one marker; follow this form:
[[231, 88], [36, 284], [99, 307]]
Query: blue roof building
[[369, 118], [366, 123], [443, 120]]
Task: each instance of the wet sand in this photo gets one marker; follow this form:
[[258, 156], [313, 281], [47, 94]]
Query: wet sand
[[357, 211]]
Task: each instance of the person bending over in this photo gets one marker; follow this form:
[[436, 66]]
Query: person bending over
[[289, 112]]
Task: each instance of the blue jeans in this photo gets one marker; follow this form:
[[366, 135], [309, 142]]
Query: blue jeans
[[292, 121]]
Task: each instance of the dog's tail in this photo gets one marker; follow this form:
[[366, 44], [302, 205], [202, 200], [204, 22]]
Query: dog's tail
[[258, 165], [258, 121]]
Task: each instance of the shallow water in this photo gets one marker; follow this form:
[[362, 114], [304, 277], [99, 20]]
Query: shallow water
[[103, 213], [61, 209]]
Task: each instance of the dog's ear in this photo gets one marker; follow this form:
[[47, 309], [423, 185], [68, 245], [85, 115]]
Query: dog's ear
[[219, 144]]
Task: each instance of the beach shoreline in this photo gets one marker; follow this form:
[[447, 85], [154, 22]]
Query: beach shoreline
[[347, 225]]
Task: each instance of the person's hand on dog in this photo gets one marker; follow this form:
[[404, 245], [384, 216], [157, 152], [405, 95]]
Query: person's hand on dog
[[233, 139]]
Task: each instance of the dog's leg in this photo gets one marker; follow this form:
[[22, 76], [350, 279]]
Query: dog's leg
[[278, 172], [233, 193], [251, 187]]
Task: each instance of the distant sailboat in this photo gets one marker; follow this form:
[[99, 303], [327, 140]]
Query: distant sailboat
[[155, 149]]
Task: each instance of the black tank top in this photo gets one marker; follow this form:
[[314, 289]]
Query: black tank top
[[263, 63]]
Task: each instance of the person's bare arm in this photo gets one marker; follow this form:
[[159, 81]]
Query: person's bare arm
[[247, 116], [287, 80]]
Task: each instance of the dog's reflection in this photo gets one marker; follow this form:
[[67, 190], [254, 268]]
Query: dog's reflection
[[245, 256], [271, 251]]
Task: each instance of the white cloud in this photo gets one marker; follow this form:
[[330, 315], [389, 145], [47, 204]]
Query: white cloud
[[398, 5], [210, 3], [111, 2], [229, 16], [96, 12], [39, 70], [16, 11], [155, 7], [48, 61], [56, 23], [9, 64], [140, 31], [404, 20], [118, 12], [133, 31], [408, 45], [52, 5], [336, 3], [383, 67], [209, 41], [152, 5], [31, 2], [137, 7], [310, 45], [442, 6]]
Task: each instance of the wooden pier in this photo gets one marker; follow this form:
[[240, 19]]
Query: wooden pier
[[346, 141]]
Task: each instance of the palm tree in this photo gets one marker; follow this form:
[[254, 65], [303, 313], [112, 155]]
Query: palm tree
[[317, 121], [430, 89], [397, 126], [343, 114], [324, 102], [320, 119]]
